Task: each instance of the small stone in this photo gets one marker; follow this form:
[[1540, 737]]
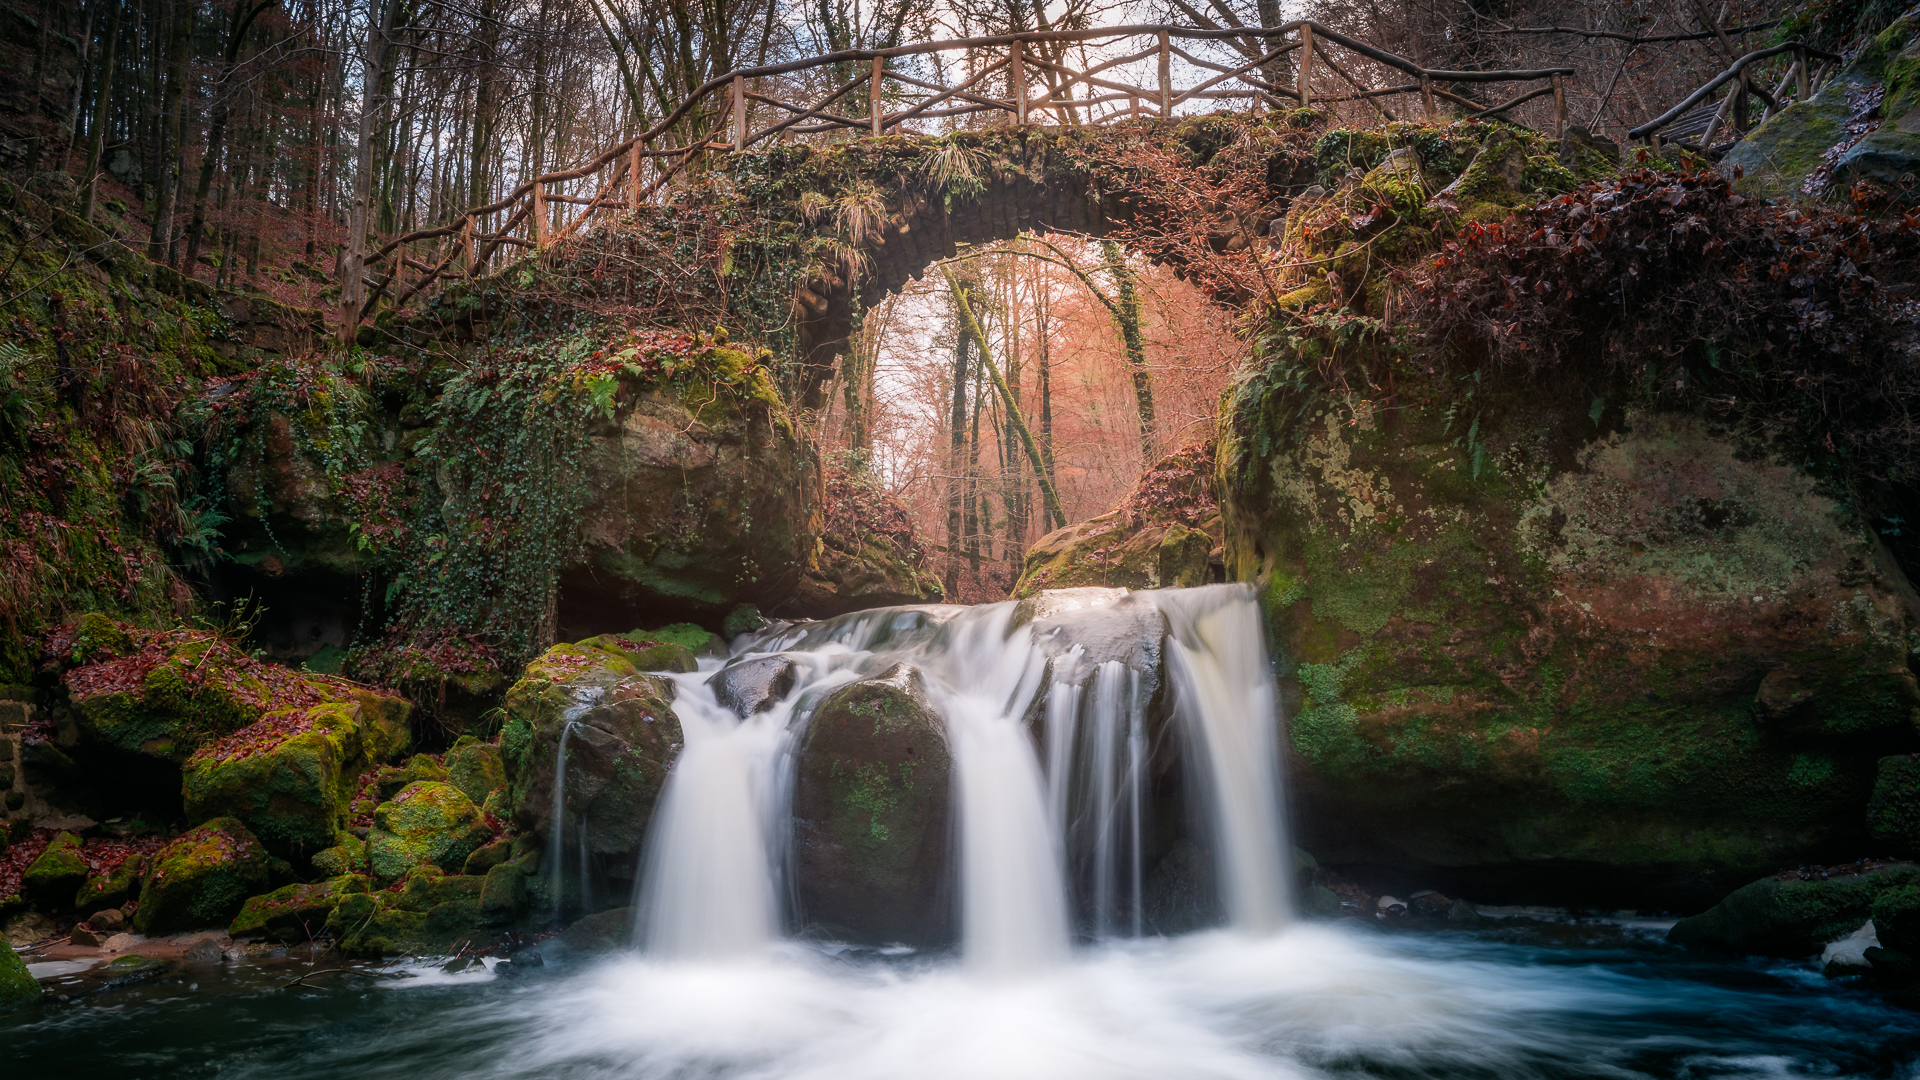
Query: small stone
[[110, 921], [1847, 956], [207, 951], [83, 935], [1390, 905]]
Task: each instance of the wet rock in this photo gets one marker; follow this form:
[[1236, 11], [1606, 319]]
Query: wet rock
[[622, 743], [486, 857], [205, 951], [291, 776], [52, 879], [748, 686], [425, 823], [1462, 913], [1791, 918], [1390, 905], [645, 653], [601, 932], [202, 878], [1893, 810], [476, 768], [432, 911], [17, 986], [370, 924], [294, 912], [1165, 533], [113, 888], [83, 934], [1896, 918], [109, 921], [27, 927], [1319, 902], [1180, 894], [871, 821]]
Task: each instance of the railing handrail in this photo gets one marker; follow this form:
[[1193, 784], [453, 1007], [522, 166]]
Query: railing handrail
[[1740, 65], [638, 146]]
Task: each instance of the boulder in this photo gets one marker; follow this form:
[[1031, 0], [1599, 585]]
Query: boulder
[[699, 498], [369, 924], [871, 820], [348, 855], [748, 686], [112, 888], [1538, 648], [601, 932], [621, 737], [645, 653], [1793, 918], [1778, 158], [476, 768], [294, 912], [53, 879], [1893, 811], [486, 857], [431, 911], [17, 985], [1166, 533], [202, 878], [419, 768], [291, 776], [426, 823], [1896, 917]]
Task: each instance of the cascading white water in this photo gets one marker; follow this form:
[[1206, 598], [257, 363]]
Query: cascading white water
[[556, 826], [715, 862], [1223, 689]]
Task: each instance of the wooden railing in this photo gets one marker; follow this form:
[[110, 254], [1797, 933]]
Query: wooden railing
[[1700, 120], [1009, 76]]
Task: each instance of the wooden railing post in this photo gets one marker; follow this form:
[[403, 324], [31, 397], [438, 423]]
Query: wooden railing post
[[539, 214], [1559, 109], [633, 175], [874, 84], [1166, 75], [739, 113], [1306, 67], [1803, 87], [1017, 82]]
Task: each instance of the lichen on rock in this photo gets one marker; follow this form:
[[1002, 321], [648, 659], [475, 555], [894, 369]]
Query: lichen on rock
[[426, 824], [202, 878]]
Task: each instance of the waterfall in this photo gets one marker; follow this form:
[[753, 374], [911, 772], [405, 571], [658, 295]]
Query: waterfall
[[556, 828], [1049, 713], [1224, 694]]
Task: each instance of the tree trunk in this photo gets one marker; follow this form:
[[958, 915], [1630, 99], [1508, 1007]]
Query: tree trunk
[[1126, 312], [970, 325], [353, 266], [172, 105], [957, 425], [103, 101]]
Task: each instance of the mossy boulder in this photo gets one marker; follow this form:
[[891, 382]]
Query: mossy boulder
[[1777, 158], [622, 739], [112, 888], [1522, 626], [419, 768], [601, 932], [871, 815], [17, 984], [1893, 811], [1896, 917], [296, 912], [291, 776], [348, 855], [645, 653], [202, 878], [1791, 918], [477, 769], [1166, 533], [698, 498], [426, 823], [56, 875], [431, 912]]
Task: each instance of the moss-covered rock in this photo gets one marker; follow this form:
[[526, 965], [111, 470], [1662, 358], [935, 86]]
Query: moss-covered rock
[[420, 768], [1166, 533], [112, 888], [1791, 918], [432, 912], [348, 855], [1896, 917], [296, 912], [52, 879], [426, 823], [699, 498], [477, 769], [622, 739], [1529, 628], [202, 878], [601, 932], [1893, 811], [1778, 158], [870, 813], [369, 924], [291, 776], [645, 653], [17, 985]]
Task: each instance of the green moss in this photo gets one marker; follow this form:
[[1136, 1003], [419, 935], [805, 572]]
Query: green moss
[[1791, 918], [202, 878], [348, 855], [426, 823], [17, 985], [295, 912], [1893, 811], [51, 880], [112, 889], [477, 769]]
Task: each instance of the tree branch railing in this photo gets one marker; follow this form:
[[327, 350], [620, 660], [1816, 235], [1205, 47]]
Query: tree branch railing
[[1008, 76], [1693, 118]]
